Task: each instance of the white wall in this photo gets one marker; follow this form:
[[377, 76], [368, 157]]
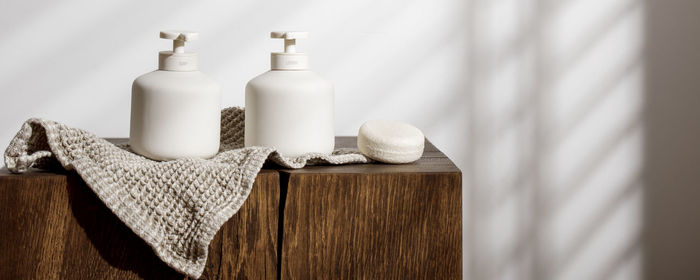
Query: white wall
[[74, 62], [555, 188], [545, 105]]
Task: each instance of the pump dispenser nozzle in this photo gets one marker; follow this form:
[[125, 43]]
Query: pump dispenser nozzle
[[290, 39], [179, 38], [178, 59], [290, 59]]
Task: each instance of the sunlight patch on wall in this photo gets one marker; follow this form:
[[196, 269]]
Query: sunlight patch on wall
[[558, 135]]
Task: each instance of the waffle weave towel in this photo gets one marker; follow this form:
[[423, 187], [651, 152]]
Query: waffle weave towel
[[175, 206]]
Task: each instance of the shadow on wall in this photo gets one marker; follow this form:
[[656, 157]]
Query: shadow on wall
[[672, 173], [584, 116]]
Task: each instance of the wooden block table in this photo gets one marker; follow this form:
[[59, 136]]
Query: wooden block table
[[373, 221], [55, 227]]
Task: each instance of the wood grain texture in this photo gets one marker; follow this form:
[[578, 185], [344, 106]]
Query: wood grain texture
[[432, 161], [376, 221], [54, 227], [373, 221], [247, 244]]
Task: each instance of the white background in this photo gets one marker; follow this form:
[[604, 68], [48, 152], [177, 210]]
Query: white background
[[574, 122]]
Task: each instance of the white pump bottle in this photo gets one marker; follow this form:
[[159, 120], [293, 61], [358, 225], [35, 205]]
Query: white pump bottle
[[289, 107], [175, 110]]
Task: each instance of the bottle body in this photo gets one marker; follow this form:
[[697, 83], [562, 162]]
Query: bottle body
[[291, 111], [175, 114]]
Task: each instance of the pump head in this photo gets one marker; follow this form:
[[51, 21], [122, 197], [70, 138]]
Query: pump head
[[290, 39], [178, 59], [179, 38], [290, 59]]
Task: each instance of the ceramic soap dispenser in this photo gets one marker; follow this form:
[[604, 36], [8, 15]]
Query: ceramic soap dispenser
[[290, 108], [175, 110]]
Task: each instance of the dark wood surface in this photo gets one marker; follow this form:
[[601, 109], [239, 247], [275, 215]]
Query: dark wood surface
[[375, 221], [246, 246], [433, 160], [55, 227]]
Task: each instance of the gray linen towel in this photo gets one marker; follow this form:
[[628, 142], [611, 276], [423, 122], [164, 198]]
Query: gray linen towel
[[175, 206]]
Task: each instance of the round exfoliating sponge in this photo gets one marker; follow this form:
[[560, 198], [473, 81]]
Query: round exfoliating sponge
[[390, 141]]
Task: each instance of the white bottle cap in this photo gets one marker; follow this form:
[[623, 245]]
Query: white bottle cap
[[290, 59], [178, 59]]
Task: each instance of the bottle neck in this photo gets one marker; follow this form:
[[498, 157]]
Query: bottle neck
[[169, 61], [289, 61]]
